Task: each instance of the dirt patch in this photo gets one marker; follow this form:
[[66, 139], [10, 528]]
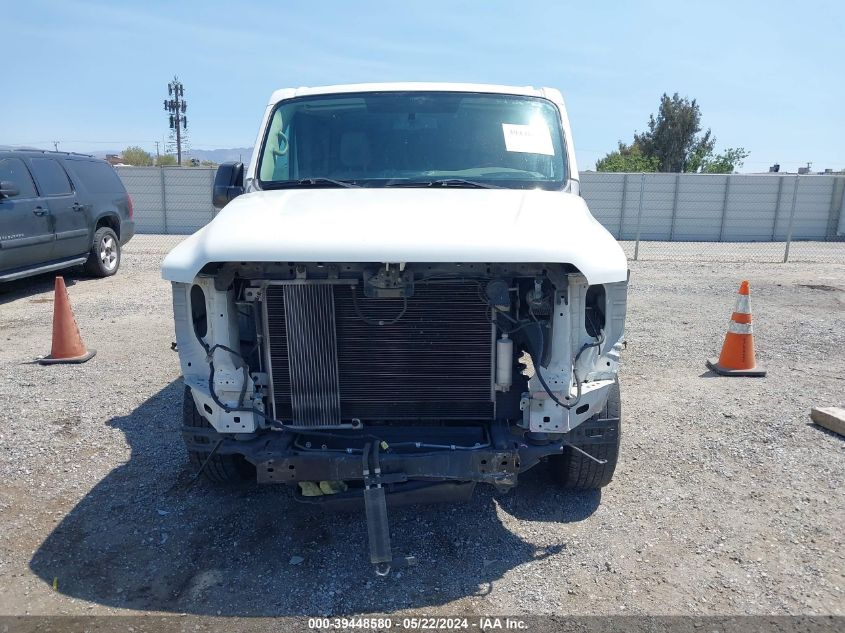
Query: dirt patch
[[822, 287]]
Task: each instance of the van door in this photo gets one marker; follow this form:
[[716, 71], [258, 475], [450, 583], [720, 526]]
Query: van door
[[26, 232], [70, 222]]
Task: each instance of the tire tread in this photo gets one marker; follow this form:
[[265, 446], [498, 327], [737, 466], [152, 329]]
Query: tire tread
[[220, 468], [577, 472]]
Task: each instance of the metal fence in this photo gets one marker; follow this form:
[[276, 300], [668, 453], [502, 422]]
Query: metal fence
[[764, 217], [169, 200], [761, 216]]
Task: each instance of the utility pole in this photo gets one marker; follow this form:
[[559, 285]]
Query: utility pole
[[157, 152], [56, 145], [176, 106]]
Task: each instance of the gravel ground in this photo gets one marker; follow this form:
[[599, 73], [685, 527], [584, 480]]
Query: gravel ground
[[727, 500]]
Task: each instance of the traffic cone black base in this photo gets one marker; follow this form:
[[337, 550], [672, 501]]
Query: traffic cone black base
[[713, 364], [49, 360]]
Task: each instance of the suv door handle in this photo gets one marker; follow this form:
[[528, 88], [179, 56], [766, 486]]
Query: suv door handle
[[40, 211], [78, 207]]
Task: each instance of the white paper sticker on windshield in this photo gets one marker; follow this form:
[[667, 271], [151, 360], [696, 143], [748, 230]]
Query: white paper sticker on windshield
[[529, 139]]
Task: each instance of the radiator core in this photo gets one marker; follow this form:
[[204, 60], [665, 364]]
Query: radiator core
[[330, 366]]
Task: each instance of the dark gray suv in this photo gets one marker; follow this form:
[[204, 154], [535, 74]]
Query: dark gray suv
[[59, 210]]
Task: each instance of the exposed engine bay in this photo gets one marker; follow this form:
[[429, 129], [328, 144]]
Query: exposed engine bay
[[394, 382]]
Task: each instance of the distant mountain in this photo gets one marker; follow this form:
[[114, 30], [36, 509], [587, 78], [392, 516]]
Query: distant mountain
[[242, 154]]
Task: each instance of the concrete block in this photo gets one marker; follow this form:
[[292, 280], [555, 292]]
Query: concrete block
[[831, 418]]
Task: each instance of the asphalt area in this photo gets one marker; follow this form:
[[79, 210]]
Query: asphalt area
[[727, 499]]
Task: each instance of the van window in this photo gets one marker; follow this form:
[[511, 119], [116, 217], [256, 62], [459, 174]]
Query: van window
[[51, 177], [14, 169], [96, 176]]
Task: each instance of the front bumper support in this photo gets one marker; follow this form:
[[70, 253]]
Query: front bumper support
[[279, 460]]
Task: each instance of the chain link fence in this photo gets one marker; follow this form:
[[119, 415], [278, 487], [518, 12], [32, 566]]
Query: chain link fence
[[715, 217], [694, 217], [169, 200]]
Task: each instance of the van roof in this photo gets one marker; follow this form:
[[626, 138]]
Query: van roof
[[530, 91]]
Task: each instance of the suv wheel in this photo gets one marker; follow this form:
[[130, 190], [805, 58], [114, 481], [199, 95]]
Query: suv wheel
[[599, 436], [220, 468], [104, 258]]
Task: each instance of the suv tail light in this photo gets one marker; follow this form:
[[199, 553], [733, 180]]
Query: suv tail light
[[131, 208]]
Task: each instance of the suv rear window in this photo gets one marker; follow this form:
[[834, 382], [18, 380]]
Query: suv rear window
[[14, 169], [96, 176], [51, 177]]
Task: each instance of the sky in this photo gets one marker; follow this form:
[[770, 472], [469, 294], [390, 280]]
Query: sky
[[93, 75]]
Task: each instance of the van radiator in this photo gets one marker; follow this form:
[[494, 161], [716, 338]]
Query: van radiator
[[328, 365]]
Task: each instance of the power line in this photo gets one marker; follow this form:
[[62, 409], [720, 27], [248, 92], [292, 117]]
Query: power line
[[66, 141], [124, 142]]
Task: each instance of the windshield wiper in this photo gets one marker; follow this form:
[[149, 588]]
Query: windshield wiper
[[309, 182], [445, 182], [460, 182]]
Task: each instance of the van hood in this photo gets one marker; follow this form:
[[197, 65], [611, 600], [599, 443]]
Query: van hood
[[403, 225]]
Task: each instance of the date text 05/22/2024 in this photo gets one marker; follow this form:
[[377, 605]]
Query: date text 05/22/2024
[[483, 623]]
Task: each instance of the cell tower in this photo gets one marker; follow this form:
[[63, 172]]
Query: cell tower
[[176, 106]]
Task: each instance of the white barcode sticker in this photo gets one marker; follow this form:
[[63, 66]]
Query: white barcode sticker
[[529, 139]]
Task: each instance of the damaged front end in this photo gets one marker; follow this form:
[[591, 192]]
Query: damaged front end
[[368, 384]]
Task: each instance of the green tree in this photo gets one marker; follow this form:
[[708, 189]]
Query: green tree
[[725, 163], [673, 136], [165, 160], [627, 158], [134, 155], [673, 142]]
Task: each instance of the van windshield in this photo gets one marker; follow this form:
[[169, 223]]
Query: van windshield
[[414, 139]]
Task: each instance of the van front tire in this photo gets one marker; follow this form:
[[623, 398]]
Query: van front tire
[[220, 469], [600, 437]]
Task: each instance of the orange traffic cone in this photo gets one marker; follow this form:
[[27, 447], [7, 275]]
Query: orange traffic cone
[[737, 357], [67, 342]]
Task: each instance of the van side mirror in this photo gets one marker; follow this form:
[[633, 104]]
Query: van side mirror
[[8, 189], [228, 184]]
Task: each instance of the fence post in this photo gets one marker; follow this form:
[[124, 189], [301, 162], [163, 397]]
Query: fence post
[[674, 206], [211, 174], [791, 216], [622, 206], [841, 223], [835, 209], [163, 198], [724, 207], [777, 207], [639, 217]]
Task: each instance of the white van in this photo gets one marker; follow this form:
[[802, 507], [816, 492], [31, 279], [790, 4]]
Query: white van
[[404, 295]]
